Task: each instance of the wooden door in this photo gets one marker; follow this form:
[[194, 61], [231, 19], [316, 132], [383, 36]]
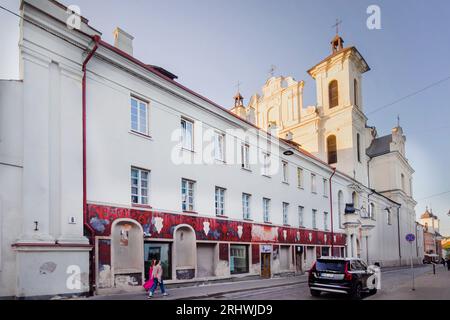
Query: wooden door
[[265, 265], [299, 262]]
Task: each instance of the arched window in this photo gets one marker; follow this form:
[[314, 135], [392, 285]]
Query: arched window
[[355, 91], [355, 199], [358, 146], [333, 93], [332, 149], [372, 211]]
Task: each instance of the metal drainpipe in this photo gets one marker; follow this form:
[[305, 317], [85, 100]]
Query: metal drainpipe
[[91, 231], [331, 213], [398, 226]]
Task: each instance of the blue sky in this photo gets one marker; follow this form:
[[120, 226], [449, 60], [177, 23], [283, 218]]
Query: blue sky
[[212, 44]]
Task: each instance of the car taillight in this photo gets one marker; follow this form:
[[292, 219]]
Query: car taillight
[[347, 276], [312, 270]]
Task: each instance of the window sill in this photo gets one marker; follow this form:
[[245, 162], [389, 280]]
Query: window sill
[[246, 169], [314, 192], [285, 182], [190, 212], [286, 225], [301, 188], [266, 176], [187, 150], [249, 220], [221, 216], [268, 222], [142, 206], [142, 135]]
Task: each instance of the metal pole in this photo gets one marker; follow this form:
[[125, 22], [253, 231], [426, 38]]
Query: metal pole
[[412, 267], [331, 213]]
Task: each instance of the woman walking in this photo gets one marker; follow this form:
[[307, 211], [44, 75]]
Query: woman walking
[[157, 279], [149, 283]]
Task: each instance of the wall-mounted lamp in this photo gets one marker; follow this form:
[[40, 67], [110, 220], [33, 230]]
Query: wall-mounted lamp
[[289, 152]]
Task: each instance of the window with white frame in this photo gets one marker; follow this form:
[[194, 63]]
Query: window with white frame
[[187, 134], [246, 205], [139, 186], [285, 168], [245, 156], [266, 209], [219, 146], [325, 187], [300, 178], [139, 116], [187, 195], [220, 201], [266, 164], [285, 213], [313, 183], [325, 221], [300, 216], [314, 218]]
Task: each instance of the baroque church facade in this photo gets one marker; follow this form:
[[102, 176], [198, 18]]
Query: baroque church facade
[[336, 131]]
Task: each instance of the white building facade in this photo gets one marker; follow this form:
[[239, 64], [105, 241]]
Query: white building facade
[[107, 163]]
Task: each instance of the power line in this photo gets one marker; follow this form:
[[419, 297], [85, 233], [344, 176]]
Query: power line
[[434, 195], [410, 95]]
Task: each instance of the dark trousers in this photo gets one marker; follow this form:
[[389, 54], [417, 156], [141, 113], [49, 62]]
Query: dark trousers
[[155, 285]]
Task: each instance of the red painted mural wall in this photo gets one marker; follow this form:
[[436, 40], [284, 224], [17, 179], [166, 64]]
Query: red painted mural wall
[[161, 225]]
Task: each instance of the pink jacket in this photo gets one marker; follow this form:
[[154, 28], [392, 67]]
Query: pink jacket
[[149, 283]]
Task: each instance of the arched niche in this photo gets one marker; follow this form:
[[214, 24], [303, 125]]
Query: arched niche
[[127, 252], [184, 253]]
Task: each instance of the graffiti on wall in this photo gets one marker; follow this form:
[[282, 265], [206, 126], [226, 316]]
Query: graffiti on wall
[[161, 225]]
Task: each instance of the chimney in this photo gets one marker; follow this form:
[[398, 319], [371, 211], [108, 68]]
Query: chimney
[[123, 41]]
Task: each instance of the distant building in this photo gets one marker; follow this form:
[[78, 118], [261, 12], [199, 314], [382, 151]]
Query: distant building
[[432, 237]]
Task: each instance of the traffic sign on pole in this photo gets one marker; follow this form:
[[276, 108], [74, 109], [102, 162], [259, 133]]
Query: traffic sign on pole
[[410, 238]]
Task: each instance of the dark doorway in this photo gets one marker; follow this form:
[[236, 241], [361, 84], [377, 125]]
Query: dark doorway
[[158, 251], [265, 265], [299, 259]]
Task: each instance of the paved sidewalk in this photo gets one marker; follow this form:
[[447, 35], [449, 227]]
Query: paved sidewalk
[[428, 286], [208, 290]]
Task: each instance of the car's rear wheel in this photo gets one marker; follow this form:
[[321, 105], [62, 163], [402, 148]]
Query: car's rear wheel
[[315, 293], [357, 292]]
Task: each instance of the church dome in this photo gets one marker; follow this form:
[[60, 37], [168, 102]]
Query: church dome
[[427, 214]]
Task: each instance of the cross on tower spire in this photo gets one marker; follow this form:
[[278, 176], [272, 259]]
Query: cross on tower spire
[[238, 86], [337, 43], [238, 98], [336, 25]]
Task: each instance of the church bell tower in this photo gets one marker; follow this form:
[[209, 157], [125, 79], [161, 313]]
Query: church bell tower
[[341, 125]]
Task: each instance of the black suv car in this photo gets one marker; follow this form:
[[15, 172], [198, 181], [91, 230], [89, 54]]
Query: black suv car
[[349, 276]]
